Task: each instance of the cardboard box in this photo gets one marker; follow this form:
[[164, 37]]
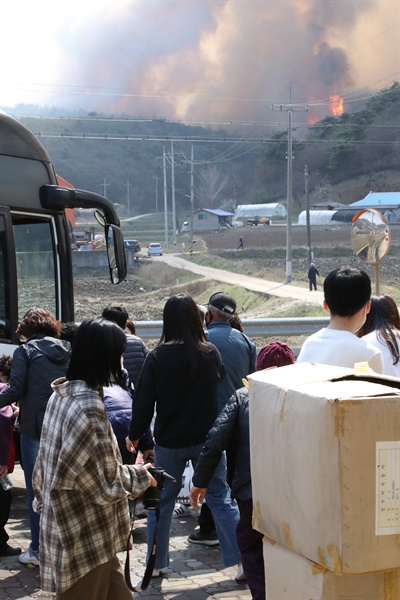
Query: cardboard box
[[292, 577], [325, 464]]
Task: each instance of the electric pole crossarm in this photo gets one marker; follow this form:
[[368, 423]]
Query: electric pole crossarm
[[291, 107]]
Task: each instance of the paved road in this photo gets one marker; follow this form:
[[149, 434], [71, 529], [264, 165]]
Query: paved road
[[196, 570], [255, 284]]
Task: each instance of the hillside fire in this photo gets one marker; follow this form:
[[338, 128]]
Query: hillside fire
[[336, 105]]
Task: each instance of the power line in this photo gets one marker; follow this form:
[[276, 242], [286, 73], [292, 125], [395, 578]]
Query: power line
[[189, 139]]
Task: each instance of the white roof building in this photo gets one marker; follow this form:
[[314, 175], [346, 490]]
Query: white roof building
[[250, 211], [318, 217]]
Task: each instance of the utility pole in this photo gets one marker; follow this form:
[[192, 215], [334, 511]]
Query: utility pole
[[289, 108], [165, 200], [309, 254], [156, 178], [105, 184], [173, 195], [191, 200], [128, 210]]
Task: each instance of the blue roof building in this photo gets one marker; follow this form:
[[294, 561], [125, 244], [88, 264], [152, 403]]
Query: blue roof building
[[209, 219], [388, 203]]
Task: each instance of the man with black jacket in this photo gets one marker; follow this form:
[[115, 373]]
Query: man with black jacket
[[136, 350]]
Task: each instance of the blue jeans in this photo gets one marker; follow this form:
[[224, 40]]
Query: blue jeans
[[224, 510], [29, 452]]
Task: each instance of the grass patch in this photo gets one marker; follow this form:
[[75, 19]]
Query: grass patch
[[157, 274]]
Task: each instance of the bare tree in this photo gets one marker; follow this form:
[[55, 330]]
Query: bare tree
[[211, 183]]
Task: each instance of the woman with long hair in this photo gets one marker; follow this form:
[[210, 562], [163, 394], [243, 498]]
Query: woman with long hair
[[382, 329], [81, 486], [179, 380]]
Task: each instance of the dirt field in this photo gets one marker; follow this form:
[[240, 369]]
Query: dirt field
[[150, 283], [275, 237]]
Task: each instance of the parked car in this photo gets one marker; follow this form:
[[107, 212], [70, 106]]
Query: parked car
[[154, 249], [132, 245]]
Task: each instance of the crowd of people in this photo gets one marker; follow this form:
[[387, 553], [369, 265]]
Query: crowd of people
[[79, 404]]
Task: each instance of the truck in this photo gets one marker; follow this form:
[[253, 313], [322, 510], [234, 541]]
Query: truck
[[259, 221], [36, 234]]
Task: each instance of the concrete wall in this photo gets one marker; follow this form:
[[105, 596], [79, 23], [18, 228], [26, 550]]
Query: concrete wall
[[95, 258], [211, 222]]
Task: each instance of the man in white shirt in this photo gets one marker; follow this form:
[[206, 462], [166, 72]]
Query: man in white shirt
[[347, 294]]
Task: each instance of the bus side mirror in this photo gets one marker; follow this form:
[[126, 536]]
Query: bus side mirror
[[116, 254]]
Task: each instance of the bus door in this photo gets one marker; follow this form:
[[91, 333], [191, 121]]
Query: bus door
[[32, 269]]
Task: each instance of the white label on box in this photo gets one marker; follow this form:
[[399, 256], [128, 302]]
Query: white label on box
[[387, 520]]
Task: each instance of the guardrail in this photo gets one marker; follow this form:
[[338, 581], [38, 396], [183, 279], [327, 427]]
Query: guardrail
[[285, 327]]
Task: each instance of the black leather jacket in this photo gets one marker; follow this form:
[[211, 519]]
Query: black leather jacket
[[35, 365], [230, 430]]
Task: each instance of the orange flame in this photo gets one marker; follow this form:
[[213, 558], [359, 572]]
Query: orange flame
[[336, 105]]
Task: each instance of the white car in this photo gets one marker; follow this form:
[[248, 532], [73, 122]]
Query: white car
[[154, 249]]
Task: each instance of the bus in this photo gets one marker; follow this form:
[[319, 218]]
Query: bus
[[36, 235]]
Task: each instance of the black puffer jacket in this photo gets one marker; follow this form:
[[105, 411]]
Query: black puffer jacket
[[35, 365], [230, 428], [134, 356]]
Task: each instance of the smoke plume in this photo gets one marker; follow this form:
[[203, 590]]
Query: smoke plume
[[214, 60]]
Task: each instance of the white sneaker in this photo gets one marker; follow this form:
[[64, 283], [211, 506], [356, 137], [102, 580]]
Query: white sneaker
[[140, 511], [29, 557], [240, 574], [181, 510], [161, 572]]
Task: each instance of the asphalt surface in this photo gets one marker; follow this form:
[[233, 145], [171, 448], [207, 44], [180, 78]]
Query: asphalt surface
[[196, 571]]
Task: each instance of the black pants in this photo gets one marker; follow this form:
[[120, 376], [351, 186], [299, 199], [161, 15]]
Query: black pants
[[250, 544], [5, 505], [206, 520]]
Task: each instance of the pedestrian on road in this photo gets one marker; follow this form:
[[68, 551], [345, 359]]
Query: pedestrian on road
[[241, 243], [312, 276], [179, 380], [232, 428], [81, 486]]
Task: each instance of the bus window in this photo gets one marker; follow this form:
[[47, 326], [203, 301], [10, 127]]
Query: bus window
[[36, 271]]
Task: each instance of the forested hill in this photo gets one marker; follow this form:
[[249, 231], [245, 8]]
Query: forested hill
[[112, 154]]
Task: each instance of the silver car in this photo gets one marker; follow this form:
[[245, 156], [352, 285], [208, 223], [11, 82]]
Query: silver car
[[154, 249]]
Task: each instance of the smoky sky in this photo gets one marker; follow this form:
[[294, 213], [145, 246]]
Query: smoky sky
[[208, 59]]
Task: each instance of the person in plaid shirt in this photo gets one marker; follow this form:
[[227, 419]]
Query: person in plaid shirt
[[81, 486]]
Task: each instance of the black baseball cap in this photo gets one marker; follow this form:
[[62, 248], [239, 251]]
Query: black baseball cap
[[223, 302]]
